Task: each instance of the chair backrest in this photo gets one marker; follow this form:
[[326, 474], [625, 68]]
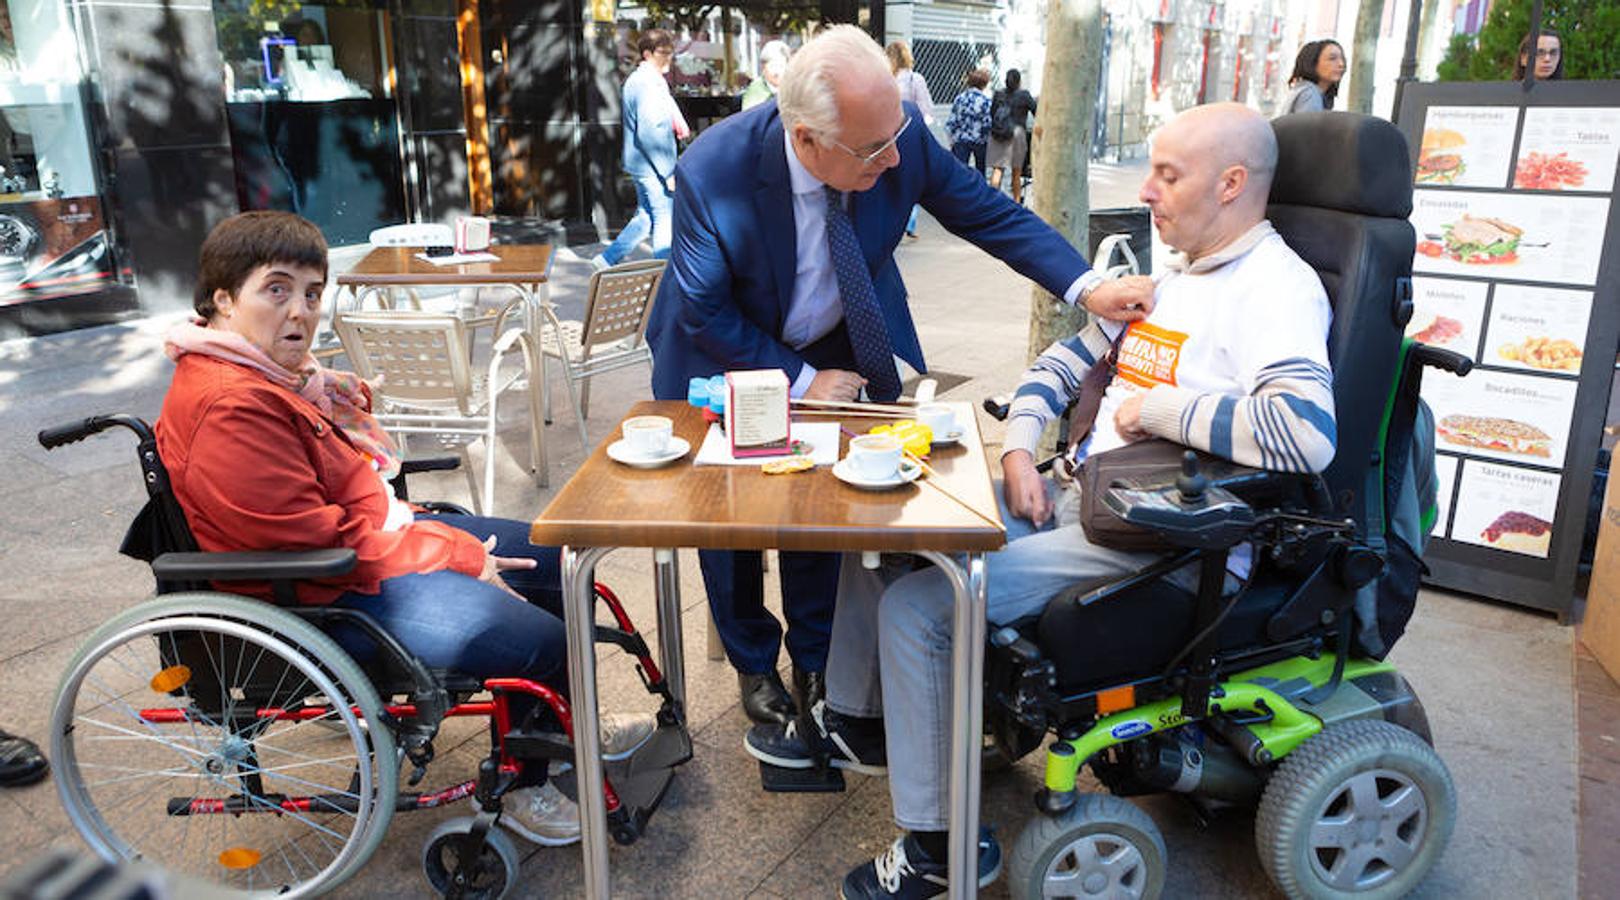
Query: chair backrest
[[1341, 198], [421, 357], [416, 234], [620, 302]]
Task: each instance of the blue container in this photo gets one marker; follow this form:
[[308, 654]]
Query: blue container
[[697, 392]]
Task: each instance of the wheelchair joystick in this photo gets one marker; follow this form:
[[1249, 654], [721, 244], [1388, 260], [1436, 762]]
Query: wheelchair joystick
[[1191, 482]]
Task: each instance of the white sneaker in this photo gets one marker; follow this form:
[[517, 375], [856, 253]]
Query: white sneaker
[[599, 262], [624, 733], [542, 815]]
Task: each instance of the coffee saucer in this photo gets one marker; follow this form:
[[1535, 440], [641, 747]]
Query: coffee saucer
[[950, 438], [619, 451], [845, 472]]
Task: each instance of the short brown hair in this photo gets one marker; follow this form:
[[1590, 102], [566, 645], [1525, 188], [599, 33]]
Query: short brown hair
[[978, 78], [899, 56], [651, 40], [247, 241]]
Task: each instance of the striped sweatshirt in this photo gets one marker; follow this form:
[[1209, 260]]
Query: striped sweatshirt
[[1233, 360]]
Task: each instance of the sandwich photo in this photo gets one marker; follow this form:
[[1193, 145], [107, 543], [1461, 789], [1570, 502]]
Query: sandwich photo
[[1492, 433], [1477, 241], [1552, 354], [1440, 330], [1519, 532], [1438, 162]]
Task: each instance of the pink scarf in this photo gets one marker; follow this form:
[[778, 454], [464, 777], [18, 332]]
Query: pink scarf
[[340, 396]]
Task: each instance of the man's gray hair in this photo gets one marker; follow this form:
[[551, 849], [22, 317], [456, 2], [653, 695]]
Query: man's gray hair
[[807, 95]]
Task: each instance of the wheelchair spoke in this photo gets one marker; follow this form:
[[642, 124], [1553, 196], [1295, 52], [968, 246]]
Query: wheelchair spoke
[[134, 774]]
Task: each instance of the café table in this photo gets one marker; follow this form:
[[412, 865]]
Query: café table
[[606, 506], [523, 269]]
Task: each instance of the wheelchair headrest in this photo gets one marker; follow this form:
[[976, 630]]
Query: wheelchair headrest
[[1342, 161]]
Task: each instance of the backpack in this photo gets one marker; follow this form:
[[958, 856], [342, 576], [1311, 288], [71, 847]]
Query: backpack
[[1001, 125]]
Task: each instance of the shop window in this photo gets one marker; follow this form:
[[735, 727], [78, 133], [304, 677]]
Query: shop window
[[52, 240], [313, 119]]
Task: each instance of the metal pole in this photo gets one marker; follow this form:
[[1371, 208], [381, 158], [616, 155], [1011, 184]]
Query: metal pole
[[671, 654], [967, 717], [579, 620], [1535, 45], [1409, 62]]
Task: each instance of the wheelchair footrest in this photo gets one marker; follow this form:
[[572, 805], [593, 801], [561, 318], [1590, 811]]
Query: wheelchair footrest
[[800, 781]]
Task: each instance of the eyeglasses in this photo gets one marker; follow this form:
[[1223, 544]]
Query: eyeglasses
[[869, 159], [1548, 53]]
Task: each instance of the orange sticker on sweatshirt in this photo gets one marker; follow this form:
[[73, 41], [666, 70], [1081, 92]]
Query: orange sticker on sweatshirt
[[1148, 354]]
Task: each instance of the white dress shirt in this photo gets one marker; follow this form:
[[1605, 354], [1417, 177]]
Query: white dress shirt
[[816, 308]]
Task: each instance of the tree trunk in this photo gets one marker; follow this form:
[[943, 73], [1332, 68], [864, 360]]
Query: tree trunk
[[1364, 56], [1431, 12], [1061, 194]]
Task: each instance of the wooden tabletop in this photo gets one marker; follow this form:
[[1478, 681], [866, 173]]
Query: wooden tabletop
[[519, 264], [607, 504]]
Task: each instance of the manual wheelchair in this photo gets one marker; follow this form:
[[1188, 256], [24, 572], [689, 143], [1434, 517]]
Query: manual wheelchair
[[232, 740], [1277, 695]]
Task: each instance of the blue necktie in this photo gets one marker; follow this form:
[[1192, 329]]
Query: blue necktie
[[868, 336]]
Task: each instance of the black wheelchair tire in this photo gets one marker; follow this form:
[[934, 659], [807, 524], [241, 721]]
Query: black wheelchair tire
[[316, 649], [1314, 779], [498, 859]]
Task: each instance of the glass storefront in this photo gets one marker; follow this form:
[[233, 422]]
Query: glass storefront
[[314, 126], [53, 241]]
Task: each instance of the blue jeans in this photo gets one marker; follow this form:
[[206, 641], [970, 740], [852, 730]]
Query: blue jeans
[[964, 151], [652, 214], [454, 621], [894, 658]]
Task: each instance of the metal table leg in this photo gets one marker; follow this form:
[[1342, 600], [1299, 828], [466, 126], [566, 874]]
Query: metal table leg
[[579, 618], [671, 652], [967, 719]]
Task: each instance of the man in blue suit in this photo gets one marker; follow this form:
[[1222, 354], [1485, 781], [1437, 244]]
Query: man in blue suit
[[786, 219]]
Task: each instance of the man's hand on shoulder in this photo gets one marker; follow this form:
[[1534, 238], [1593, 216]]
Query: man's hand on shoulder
[[835, 384], [1024, 487], [1124, 299], [1128, 418]]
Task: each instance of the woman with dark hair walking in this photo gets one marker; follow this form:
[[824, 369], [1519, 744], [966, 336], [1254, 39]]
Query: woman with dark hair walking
[[1318, 69]]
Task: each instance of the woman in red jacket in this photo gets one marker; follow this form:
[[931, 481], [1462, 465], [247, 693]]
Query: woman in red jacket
[[267, 450]]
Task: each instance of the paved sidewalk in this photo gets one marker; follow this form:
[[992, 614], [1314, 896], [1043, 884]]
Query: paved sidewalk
[[1497, 682]]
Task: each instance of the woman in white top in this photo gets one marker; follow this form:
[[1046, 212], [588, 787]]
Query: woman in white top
[[913, 87], [1318, 69]]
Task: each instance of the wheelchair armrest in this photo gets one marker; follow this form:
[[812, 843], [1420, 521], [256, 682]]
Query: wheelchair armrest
[[1222, 511], [429, 464], [254, 566]]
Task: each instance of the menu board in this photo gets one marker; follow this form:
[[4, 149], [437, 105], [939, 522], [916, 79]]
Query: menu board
[[1513, 209]]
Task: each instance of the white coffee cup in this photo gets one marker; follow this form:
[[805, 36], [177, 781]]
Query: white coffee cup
[[940, 419], [648, 435], [875, 457]]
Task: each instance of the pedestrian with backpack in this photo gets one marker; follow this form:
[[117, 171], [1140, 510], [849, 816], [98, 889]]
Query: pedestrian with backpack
[[1010, 110]]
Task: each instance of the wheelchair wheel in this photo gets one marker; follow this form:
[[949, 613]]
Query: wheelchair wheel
[[489, 878], [1363, 809], [164, 751], [1102, 847]]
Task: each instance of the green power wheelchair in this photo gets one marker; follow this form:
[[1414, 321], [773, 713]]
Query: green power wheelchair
[[1277, 696]]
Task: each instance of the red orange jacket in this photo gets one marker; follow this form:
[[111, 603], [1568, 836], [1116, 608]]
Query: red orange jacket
[[256, 467]]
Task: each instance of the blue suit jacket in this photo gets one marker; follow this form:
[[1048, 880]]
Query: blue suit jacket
[[725, 295]]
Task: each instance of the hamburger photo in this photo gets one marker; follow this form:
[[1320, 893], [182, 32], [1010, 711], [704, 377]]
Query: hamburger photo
[[1438, 162], [1493, 433], [1519, 532]]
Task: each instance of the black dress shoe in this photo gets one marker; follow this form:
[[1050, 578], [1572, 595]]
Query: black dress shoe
[[20, 761], [765, 699], [809, 688]]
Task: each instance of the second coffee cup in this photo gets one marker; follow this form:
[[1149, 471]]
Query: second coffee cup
[[875, 456]]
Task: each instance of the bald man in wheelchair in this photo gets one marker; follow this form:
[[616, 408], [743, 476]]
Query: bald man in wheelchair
[[1230, 359]]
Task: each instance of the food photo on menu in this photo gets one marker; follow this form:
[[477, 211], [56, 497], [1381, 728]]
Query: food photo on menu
[[1506, 508], [1538, 329], [1447, 313], [1467, 146], [1520, 237], [1568, 149], [1503, 415]]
